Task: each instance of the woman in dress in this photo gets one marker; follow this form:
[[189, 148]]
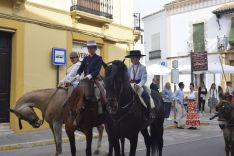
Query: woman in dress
[[192, 117]]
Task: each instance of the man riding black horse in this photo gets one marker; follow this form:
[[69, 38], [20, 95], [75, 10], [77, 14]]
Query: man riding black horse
[[138, 76]]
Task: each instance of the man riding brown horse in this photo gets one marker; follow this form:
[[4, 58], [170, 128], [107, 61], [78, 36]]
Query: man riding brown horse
[[91, 66]]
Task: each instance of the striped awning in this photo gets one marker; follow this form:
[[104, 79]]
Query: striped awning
[[225, 9]]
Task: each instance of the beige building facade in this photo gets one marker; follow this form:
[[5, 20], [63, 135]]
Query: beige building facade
[[29, 29]]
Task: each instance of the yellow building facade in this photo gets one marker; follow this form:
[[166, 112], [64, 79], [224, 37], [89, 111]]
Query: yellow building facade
[[31, 28]]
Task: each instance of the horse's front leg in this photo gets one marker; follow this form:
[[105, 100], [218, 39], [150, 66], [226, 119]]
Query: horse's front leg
[[89, 137], [133, 145], [122, 140], [147, 140], [70, 129], [57, 132], [100, 129]]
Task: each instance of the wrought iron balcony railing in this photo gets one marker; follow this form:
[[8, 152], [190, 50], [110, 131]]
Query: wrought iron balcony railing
[[222, 43], [102, 8]]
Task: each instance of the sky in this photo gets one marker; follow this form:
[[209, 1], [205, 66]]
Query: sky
[[146, 7]]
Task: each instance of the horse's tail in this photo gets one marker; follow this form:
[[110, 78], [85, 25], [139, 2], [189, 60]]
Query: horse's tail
[[156, 131]]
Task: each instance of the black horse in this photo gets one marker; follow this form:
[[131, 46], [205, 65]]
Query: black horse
[[126, 114]]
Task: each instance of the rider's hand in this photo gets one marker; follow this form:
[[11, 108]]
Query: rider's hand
[[89, 76], [78, 77], [137, 87], [60, 84]]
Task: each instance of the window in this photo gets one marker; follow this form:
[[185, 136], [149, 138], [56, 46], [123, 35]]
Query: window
[[156, 54], [82, 51], [231, 33], [198, 37], [155, 42]]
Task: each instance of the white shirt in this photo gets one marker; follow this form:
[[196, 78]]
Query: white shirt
[[192, 96], [140, 73], [71, 74]]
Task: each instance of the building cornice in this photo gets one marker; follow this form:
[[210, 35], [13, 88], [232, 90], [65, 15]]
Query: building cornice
[[180, 6], [152, 14], [63, 27]]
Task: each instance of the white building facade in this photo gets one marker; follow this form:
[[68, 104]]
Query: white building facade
[[191, 26]]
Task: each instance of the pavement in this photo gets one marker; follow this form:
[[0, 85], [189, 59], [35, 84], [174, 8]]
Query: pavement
[[13, 140]]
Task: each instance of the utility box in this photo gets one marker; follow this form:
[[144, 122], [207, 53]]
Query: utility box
[[175, 64]]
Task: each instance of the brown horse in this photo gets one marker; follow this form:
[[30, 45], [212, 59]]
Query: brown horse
[[51, 103], [85, 114], [226, 123]]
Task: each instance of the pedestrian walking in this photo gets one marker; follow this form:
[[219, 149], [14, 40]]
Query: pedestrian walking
[[192, 117], [167, 100], [179, 106], [202, 91], [213, 98]]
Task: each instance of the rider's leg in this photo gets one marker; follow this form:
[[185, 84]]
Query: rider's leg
[[146, 98]]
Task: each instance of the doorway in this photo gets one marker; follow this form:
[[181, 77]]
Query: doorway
[[5, 75]]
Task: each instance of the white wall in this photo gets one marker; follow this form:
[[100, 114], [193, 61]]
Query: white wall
[[181, 31], [152, 25]]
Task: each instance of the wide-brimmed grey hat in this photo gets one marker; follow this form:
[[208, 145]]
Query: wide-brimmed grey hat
[[91, 43], [134, 53]]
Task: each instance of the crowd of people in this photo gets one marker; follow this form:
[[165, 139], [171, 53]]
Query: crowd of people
[[189, 108]]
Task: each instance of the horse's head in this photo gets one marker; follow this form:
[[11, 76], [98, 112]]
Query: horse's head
[[226, 111], [28, 114], [116, 80]]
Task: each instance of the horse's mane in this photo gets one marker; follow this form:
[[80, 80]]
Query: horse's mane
[[116, 73], [35, 94]]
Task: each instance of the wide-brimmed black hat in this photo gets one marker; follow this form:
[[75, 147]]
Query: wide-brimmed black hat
[[134, 53]]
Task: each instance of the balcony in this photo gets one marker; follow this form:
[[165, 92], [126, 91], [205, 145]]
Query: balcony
[[95, 10], [137, 21], [222, 43], [156, 54]]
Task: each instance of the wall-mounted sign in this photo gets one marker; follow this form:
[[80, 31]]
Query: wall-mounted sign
[[199, 61], [58, 56]]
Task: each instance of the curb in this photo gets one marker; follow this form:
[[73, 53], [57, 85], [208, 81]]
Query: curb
[[172, 126], [45, 142]]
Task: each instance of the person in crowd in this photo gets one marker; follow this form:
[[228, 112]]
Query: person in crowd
[[179, 106], [154, 85], [138, 76], [167, 96], [192, 117], [229, 88], [213, 98], [220, 91], [202, 91], [70, 77]]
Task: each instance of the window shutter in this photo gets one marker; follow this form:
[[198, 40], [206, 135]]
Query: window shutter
[[231, 34], [198, 37]]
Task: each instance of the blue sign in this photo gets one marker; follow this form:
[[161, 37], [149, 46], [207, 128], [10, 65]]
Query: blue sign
[[59, 56], [162, 62]]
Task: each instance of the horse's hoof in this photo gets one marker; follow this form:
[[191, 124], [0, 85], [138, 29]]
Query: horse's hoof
[[96, 152]]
